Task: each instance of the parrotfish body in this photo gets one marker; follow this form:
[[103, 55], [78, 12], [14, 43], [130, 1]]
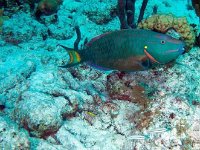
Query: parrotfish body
[[128, 50]]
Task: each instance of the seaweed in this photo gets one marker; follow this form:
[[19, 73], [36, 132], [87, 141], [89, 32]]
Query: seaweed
[[126, 13], [196, 5], [78, 33]]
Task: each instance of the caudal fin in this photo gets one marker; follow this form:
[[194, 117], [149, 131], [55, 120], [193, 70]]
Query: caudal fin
[[74, 57]]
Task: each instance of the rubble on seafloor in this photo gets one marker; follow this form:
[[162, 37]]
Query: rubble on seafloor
[[49, 101]]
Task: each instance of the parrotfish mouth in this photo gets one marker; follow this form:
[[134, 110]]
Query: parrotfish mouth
[[150, 57], [171, 51], [179, 50]]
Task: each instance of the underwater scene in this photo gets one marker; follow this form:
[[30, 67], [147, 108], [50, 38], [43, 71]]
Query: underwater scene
[[99, 74]]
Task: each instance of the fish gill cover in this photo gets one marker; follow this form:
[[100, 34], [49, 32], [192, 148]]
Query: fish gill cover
[[44, 106]]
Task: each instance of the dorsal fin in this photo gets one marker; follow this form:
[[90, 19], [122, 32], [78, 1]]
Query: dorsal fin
[[96, 38]]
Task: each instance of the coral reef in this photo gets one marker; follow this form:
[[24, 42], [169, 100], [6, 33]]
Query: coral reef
[[58, 103], [11, 137], [13, 31], [120, 88], [2, 19], [186, 90], [43, 106], [47, 7], [38, 114], [100, 15], [163, 23], [46, 99], [88, 136], [9, 3], [11, 80], [37, 7]]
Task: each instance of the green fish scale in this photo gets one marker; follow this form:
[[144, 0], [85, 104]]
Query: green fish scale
[[115, 46]]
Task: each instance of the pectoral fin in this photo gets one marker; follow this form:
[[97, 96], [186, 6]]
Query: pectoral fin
[[145, 63]]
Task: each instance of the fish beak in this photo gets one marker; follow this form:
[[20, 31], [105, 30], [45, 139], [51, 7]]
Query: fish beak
[[181, 50], [178, 51]]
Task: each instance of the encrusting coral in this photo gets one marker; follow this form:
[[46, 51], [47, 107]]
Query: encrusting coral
[[163, 23], [121, 87]]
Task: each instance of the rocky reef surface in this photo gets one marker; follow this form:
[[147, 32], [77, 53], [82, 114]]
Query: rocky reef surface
[[43, 106]]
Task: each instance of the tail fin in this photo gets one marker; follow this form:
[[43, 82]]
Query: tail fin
[[74, 55]]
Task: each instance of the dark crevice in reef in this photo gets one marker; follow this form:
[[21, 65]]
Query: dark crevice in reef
[[198, 40], [2, 107]]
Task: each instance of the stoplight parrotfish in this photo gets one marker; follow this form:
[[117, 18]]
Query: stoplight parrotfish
[[127, 50]]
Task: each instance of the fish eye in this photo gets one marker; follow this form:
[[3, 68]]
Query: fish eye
[[162, 41]]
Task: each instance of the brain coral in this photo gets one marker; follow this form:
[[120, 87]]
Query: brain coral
[[163, 23]]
